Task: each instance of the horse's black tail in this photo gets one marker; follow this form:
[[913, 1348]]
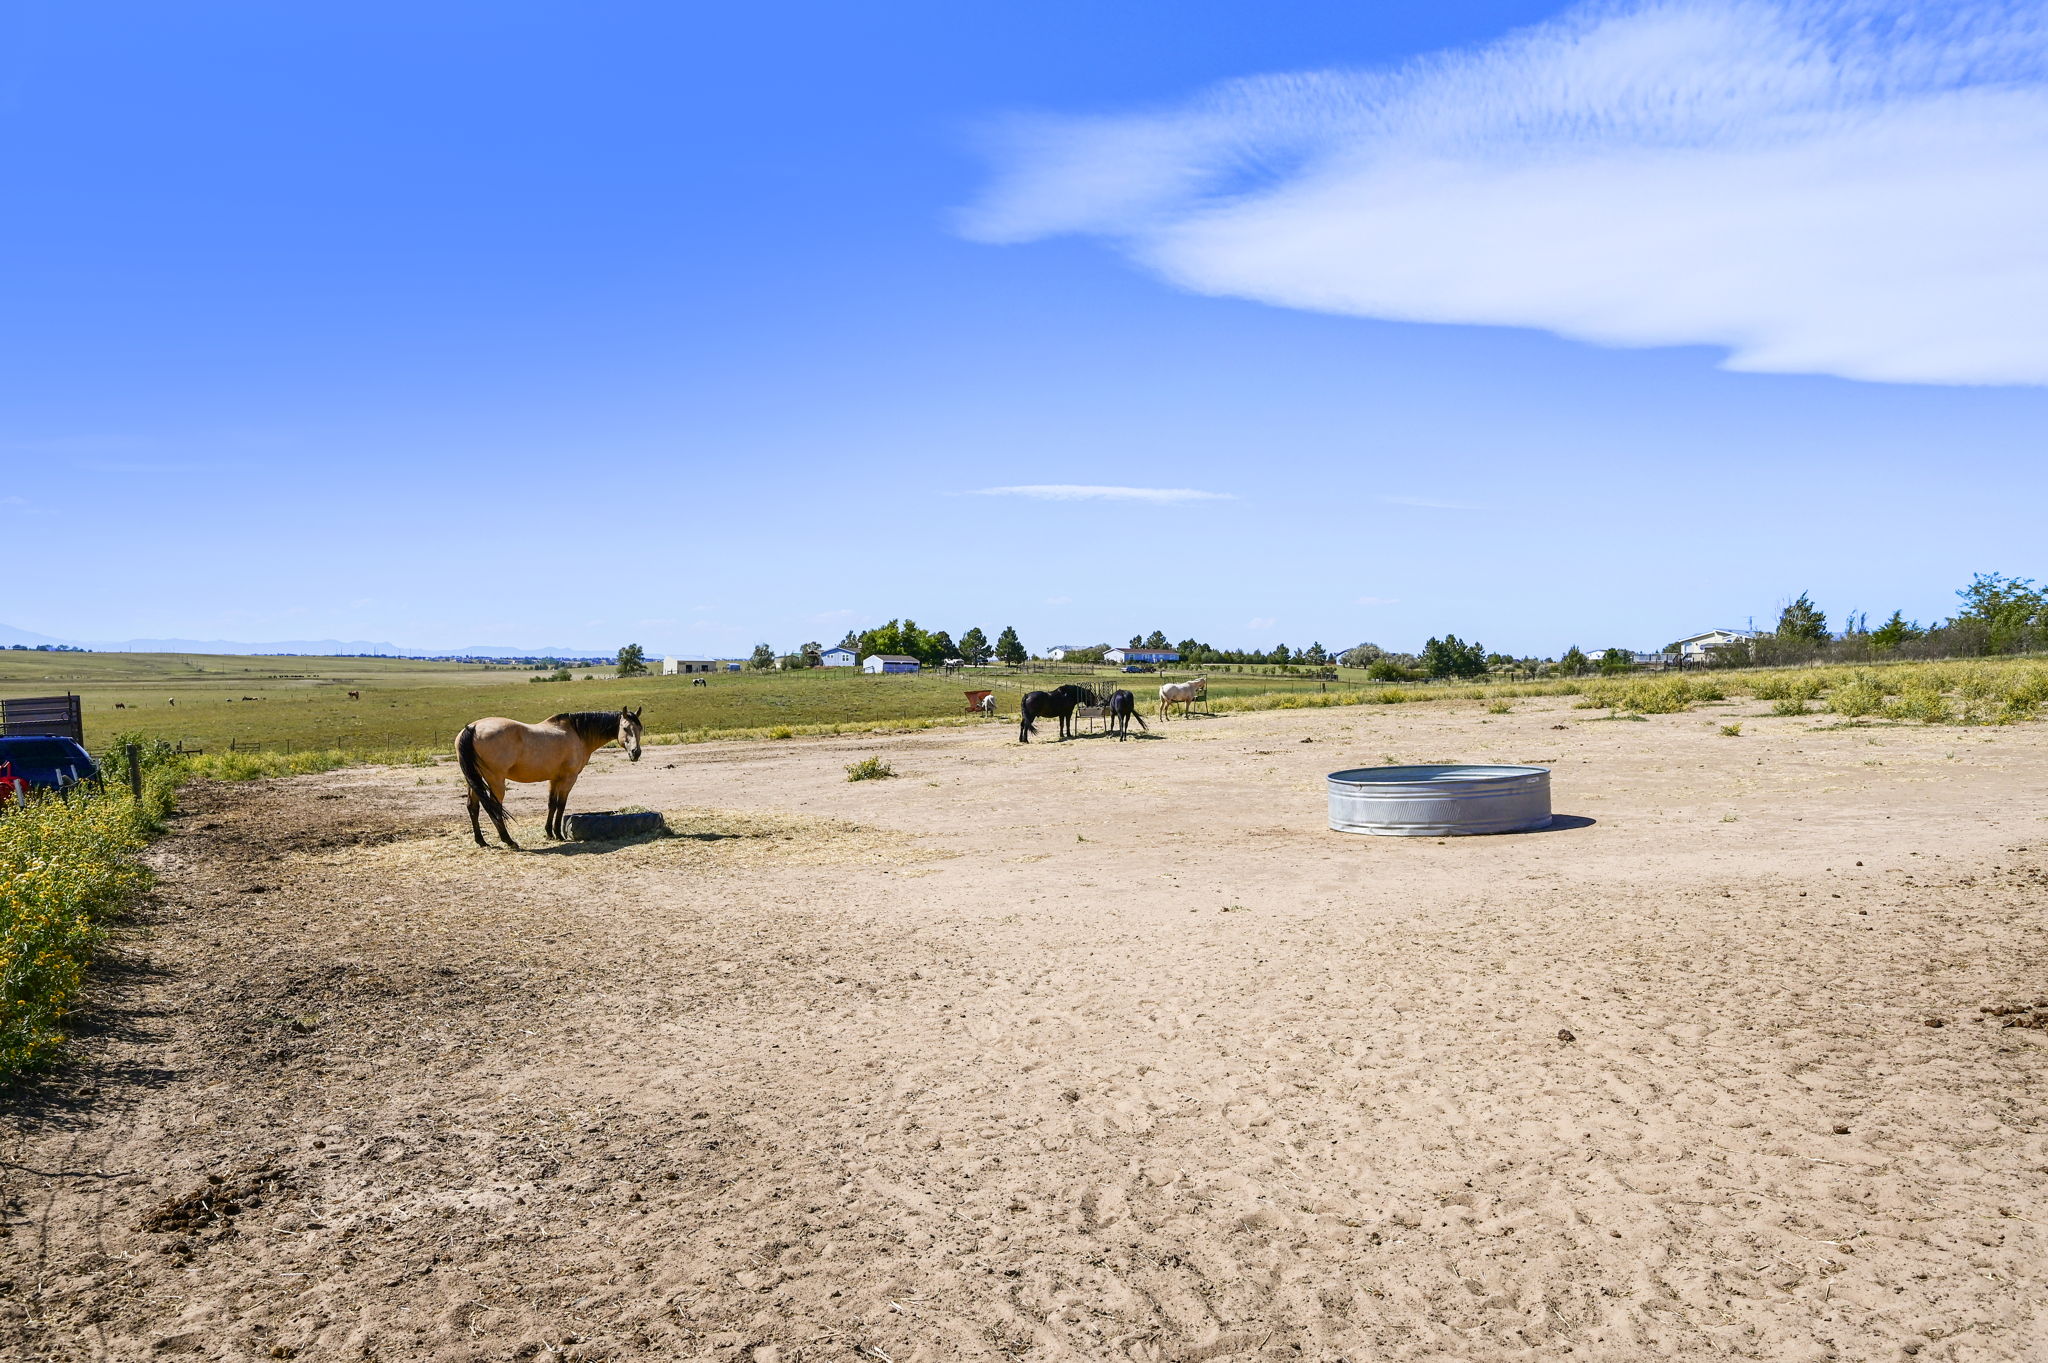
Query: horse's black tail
[[1141, 719], [465, 756]]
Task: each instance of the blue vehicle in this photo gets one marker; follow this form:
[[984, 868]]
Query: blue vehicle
[[43, 762]]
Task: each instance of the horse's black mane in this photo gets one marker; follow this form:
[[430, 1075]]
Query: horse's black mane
[[589, 723]]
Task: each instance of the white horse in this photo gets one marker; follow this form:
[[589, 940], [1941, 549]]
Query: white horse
[[988, 703], [1182, 694]]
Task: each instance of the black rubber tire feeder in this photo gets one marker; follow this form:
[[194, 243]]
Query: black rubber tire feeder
[[610, 826]]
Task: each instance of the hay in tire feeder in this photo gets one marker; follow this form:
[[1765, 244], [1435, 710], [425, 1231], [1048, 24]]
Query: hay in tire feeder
[[611, 825]]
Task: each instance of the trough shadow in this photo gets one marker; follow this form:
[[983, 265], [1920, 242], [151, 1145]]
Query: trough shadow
[[1562, 823], [581, 849]]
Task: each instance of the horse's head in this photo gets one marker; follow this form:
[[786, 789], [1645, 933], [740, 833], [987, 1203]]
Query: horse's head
[[629, 733]]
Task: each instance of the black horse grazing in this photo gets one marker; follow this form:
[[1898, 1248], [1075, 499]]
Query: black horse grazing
[[1123, 708], [1057, 703]]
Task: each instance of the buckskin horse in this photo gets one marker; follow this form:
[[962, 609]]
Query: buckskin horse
[[494, 751], [1057, 703]]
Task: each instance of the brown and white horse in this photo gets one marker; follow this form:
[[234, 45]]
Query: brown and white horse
[[494, 751]]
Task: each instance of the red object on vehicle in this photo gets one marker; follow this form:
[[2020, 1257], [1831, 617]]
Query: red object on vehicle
[[10, 784]]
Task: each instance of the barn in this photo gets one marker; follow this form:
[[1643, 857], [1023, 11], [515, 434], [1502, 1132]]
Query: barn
[[889, 662], [1117, 657], [671, 667], [841, 656]]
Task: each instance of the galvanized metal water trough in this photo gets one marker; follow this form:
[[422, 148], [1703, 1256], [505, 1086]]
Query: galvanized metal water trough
[[1439, 801], [607, 825]]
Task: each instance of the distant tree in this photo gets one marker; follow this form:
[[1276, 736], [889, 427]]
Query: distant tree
[[1452, 657], [1008, 649], [2010, 613], [1617, 660], [632, 661], [1363, 655], [1574, 662], [942, 647], [1499, 660], [974, 647], [1281, 654], [1385, 669], [812, 654], [763, 659], [852, 640], [1314, 655], [1802, 620], [1894, 632], [1157, 639]]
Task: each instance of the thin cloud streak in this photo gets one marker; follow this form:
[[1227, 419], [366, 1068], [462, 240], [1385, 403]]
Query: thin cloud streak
[[1843, 187], [1082, 492]]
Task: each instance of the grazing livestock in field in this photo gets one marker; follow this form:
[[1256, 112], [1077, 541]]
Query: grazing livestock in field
[[1184, 694], [494, 751], [355, 695], [1123, 708], [699, 681], [987, 704], [1057, 703]]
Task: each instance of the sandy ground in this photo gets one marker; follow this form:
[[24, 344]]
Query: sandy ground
[[1081, 1051]]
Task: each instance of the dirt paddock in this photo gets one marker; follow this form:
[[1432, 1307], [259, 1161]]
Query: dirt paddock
[[1081, 1051]]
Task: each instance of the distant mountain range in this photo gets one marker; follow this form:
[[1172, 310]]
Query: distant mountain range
[[316, 647]]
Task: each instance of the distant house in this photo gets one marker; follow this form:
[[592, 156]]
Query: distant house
[[1058, 652], [839, 657], [671, 667], [1696, 647], [889, 662], [1117, 657]]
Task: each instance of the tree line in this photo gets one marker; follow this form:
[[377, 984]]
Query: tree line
[[1999, 614]]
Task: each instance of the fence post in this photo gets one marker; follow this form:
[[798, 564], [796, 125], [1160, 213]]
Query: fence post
[[134, 769]]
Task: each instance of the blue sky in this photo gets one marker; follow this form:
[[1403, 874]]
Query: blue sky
[[704, 325]]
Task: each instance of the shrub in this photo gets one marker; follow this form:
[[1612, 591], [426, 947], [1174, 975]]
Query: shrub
[[1500, 707], [869, 769], [1922, 703], [1788, 705], [1856, 697], [782, 731], [1732, 730], [66, 866]]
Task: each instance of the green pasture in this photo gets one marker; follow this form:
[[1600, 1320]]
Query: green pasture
[[301, 705]]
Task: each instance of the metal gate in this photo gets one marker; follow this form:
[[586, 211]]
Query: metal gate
[[58, 716]]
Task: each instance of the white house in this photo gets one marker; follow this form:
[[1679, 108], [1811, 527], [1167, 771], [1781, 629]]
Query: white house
[[673, 666], [1697, 645], [839, 657], [1117, 657], [888, 662], [1058, 652]]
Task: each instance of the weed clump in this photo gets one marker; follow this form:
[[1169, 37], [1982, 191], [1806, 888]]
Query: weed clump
[[869, 769]]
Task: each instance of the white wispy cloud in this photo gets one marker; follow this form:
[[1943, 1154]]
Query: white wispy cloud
[[1377, 601], [1082, 492], [1847, 187], [1433, 503]]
